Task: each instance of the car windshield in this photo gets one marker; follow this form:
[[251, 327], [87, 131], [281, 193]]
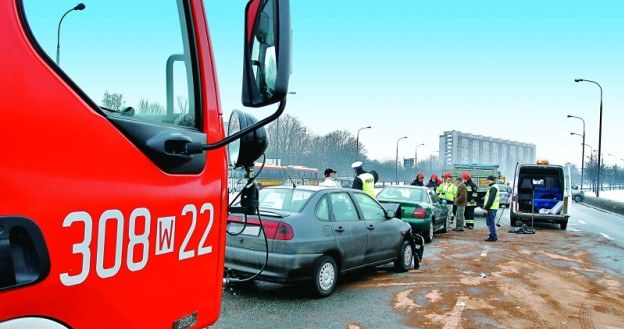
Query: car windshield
[[284, 199], [403, 194]]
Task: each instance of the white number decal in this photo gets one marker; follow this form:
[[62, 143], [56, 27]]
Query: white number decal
[[184, 254], [101, 246], [138, 239], [79, 248], [201, 250]]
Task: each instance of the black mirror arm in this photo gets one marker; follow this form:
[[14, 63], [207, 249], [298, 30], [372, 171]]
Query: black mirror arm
[[196, 148]]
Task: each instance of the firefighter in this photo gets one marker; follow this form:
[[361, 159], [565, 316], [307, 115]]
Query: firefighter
[[363, 180], [446, 192], [419, 180], [472, 195]]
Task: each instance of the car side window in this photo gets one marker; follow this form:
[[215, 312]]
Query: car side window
[[370, 209], [322, 210], [343, 208]]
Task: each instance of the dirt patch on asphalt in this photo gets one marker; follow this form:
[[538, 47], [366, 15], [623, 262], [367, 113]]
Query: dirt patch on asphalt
[[524, 281]]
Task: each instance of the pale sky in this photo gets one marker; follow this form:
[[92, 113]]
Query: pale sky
[[417, 68], [406, 67]]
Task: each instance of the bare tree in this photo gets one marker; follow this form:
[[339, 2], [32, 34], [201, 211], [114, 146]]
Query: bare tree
[[147, 107], [113, 101]]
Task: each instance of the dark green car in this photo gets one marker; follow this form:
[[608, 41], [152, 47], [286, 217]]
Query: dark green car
[[421, 208]]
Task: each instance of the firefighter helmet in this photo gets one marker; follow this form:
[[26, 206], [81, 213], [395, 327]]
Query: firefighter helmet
[[466, 175]]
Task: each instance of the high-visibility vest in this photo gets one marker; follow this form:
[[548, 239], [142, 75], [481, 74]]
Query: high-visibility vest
[[496, 198], [368, 183], [447, 191]]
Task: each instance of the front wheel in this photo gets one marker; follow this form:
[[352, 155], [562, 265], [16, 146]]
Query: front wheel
[[447, 225], [428, 234], [564, 225], [325, 276], [578, 198], [405, 258]]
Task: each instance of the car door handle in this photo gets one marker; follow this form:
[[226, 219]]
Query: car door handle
[[370, 227], [339, 229]]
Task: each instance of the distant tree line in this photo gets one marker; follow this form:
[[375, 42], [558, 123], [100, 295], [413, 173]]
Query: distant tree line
[[296, 144]]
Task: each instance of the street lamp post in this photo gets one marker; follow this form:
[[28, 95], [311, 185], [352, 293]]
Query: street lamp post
[[416, 158], [583, 151], [599, 131], [357, 142], [79, 6], [396, 169]]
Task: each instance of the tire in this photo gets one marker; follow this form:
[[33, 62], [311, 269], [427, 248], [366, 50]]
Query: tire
[[325, 276], [404, 260], [428, 233], [578, 198], [513, 222], [447, 225], [563, 225]]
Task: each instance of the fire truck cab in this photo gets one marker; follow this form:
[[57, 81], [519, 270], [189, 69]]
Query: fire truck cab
[[113, 174]]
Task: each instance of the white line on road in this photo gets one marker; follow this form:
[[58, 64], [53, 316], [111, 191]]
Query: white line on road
[[582, 222], [574, 230], [485, 251], [453, 321], [606, 236]]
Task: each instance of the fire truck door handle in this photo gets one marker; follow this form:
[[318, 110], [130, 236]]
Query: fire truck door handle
[[172, 145], [24, 256]]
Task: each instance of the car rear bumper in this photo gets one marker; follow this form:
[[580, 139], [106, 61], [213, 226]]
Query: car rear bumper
[[281, 268]]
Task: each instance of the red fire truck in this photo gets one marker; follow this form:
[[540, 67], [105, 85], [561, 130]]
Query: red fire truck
[[113, 173]]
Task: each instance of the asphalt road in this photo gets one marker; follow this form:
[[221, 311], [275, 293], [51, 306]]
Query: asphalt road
[[554, 278]]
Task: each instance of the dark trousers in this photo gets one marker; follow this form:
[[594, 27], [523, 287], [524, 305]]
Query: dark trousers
[[469, 214], [489, 220]]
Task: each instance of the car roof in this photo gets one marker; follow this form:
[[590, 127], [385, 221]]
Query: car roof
[[313, 188], [407, 186]]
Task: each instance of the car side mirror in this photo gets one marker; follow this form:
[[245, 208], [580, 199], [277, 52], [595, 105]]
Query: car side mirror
[[267, 52], [390, 214]]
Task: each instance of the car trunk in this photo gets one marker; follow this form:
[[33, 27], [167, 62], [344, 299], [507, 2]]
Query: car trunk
[[250, 235]]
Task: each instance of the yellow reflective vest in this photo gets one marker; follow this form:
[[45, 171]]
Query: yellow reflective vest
[[368, 183], [496, 202], [447, 191]]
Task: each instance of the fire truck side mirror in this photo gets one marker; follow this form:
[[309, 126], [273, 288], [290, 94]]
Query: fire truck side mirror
[[244, 151], [267, 52]]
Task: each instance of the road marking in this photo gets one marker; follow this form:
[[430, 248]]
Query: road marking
[[582, 222], [453, 321], [574, 230], [485, 251], [606, 236]]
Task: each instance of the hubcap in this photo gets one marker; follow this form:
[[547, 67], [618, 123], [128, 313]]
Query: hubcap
[[407, 257], [430, 230], [326, 276]]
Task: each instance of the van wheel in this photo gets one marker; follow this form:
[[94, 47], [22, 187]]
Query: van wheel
[[578, 198], [428, 234], [325, 276], [564, 224], [405, 258]]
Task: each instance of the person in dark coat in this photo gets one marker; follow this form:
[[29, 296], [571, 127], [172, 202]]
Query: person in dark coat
[[434, 182], [419, 180]]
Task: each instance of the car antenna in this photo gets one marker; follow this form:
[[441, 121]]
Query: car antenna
[[288, 176]]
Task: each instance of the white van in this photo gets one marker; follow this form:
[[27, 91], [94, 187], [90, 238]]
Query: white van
[[542, 193]]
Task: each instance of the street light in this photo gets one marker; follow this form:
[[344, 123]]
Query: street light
[[599, 131], [396, 169], [357, 142], [416, 158], [583, 151], [79, 6]]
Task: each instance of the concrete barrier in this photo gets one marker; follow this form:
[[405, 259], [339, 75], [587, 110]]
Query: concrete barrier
[[604, 204]]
